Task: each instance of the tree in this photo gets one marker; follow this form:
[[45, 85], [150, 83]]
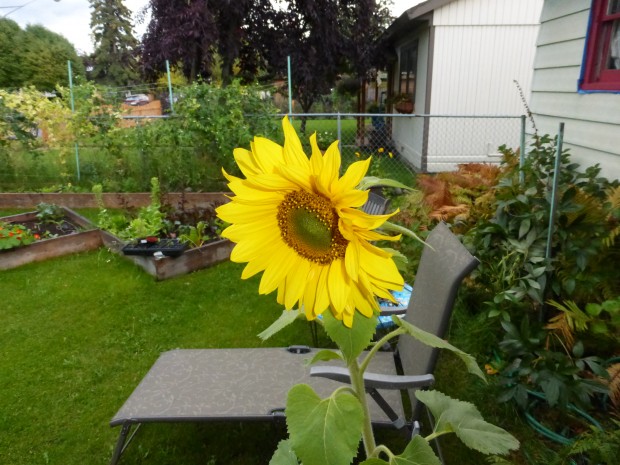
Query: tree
[[325, 38], [45, 56], [195, 32], [11, 49], [35, 56], [114, 62]]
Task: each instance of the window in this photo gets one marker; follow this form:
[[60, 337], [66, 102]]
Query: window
[[602, 58], [408, 67]]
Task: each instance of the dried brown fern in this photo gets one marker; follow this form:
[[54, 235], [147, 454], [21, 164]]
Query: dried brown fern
[[614, 200], [614, 384]]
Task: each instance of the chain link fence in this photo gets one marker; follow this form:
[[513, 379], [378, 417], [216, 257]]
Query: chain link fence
[[400, 145]]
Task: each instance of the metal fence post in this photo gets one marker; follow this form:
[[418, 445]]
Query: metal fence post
[[522, 151], [339, 130], [77, 149], [554, 188]]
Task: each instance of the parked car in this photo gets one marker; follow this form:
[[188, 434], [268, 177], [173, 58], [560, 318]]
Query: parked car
[[137, 99]]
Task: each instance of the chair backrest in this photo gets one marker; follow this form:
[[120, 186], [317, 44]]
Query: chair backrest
[[375, 205], [443, 265]]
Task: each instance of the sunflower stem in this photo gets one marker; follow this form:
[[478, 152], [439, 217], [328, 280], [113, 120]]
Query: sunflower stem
[[375, 348], [357, 382]]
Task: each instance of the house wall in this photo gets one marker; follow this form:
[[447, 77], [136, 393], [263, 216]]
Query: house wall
[[481, 48], [408, 132], [592, 121]]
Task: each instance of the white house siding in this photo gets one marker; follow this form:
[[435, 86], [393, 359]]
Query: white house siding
[[592, 121], [407, 133], [481, 48]]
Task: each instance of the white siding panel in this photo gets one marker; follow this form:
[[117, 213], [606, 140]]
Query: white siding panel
[[559, 54], [600, 107], [407, 135], [556, 79], [564, 29], [558, 8], [601, 137], [468, 140], [475, 68], [584, 155], [488, 12]]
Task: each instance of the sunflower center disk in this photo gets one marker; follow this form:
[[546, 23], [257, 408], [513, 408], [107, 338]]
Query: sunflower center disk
[[309, 225]]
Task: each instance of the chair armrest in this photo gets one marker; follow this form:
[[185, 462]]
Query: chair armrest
[[374, 380], [397, 310]]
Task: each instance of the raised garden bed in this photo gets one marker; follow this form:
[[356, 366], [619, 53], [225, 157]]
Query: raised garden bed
[[72, 235], [155, 247], [168, 267]]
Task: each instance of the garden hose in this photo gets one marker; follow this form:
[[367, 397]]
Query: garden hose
[[540, 428]]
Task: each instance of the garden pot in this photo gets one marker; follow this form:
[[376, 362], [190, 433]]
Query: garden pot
[[404, 107]]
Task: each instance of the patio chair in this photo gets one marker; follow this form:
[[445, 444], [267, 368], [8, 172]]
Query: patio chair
[[375, 205], [199, 385]]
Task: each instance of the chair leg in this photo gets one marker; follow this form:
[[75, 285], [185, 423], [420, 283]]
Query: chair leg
[[431, 422], [123, 442]]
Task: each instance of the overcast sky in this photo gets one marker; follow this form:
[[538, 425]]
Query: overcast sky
[[71, 18]]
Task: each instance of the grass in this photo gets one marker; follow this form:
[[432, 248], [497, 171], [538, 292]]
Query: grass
[[81, 331]]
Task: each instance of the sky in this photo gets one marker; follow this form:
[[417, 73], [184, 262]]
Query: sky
[[71, 18]]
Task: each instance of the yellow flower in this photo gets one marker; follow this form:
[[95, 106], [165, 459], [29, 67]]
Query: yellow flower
[[380, 150], [390, 154], [357, 154], [298, 222]]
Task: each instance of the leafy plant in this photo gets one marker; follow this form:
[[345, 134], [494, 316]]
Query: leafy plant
[[531, 363], [49, 213], [14, 235], [517, 267], [601, 447]]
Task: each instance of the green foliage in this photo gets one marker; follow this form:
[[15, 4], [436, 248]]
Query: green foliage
[[532, 363], [35, 57], [464, 420], [114, 61], [49, 213], [433, 341], [14, 235], [351, 341], [324, 431], [512, 245], [601, 447], [221, 119]]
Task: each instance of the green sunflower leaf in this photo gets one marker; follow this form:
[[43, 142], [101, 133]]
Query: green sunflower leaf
[[324, 431], [417, 452], [284, 454], [434, 341], [325, 355], [464, 420], [392, 227], [351, 341], [374, 461], [287, 317], [373, 181]]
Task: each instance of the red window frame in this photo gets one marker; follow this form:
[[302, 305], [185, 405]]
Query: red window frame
[[596, 77]]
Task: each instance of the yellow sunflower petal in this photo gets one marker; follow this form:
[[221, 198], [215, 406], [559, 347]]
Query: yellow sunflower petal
[[354, 174], [267, 153], [330, 170], [293, 150], [337, 285]]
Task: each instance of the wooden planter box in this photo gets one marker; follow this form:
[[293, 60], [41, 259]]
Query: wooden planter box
[[82, 241], [169, 267]]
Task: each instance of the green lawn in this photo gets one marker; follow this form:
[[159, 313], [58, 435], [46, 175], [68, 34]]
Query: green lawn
[[80, 332]]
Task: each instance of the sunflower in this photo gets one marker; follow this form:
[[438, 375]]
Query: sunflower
[[294, 219]]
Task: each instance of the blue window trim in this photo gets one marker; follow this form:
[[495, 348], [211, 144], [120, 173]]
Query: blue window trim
[[584, 57]]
